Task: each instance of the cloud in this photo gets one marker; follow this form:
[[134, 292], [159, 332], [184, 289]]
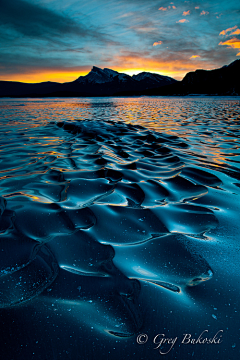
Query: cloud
[[144, 28], [182, 21], [236, 32], [185, 13], [167, 8], [195, 56], [131, 13], [157, 43], [175, 65], [196, 7], [35, 21], [232, 43], [69, 33], [224, 32], [204, 13]]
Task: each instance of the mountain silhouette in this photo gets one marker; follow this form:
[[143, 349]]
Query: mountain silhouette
[[107, 82]]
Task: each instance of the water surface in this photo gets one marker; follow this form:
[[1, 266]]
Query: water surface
[[119, 227]]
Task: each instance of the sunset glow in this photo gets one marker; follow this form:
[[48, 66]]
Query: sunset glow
[[60, 41], [42, 76]]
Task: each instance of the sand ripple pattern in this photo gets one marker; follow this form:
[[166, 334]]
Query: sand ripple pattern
[[94, 216]]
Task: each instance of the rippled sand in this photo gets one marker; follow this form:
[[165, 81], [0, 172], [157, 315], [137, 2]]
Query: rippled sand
[[112, 227]]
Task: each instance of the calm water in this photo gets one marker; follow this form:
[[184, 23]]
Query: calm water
[[119, 228]]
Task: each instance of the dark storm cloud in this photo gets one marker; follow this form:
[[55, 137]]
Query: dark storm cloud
[[35, 21]]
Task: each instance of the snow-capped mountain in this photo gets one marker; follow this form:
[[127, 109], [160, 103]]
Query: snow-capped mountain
[[119, 76], [150, 80], [98, 82], [140, 81], [102, 76], [96, 76], [107, 82], [153, 77]]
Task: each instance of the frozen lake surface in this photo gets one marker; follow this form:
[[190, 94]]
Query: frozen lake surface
[[119, 228]]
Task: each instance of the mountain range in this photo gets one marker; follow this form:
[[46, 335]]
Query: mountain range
[[223, 81], [98, 82], [107, 82]]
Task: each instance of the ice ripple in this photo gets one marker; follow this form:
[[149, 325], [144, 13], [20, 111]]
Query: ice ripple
[[112, 202]]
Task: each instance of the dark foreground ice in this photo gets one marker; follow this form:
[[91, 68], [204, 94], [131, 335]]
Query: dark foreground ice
[[108, 241]]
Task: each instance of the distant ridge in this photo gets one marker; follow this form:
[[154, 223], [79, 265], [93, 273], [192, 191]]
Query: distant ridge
[[223, 81], [107, 82], [98, 82]]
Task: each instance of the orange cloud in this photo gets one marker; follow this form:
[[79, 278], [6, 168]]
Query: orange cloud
[[224, 32], [174, 7], [233, 43], [195, 56], [157, 43], [185, 13], [182, 21], [196, 7], [236, 32], [204, 13], [162, 9]]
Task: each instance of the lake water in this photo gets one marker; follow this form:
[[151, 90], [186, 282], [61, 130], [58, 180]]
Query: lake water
[[119, 228]]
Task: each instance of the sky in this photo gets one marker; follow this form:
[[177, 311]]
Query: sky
[[60, 40]]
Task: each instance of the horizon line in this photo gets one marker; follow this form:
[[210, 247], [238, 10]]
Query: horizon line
[[70, 76]]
